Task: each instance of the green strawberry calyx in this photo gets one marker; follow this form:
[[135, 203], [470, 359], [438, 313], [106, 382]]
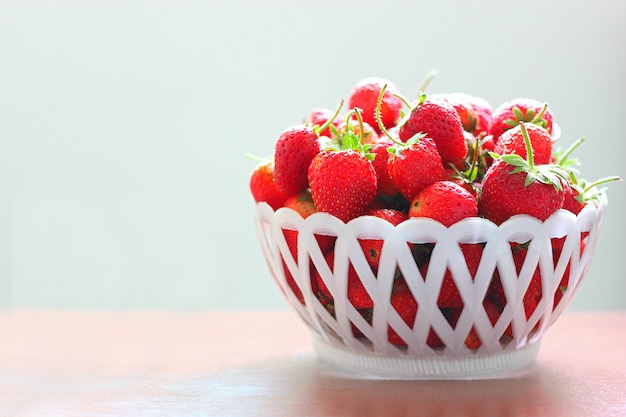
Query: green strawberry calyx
[[351, 140], [398, 145], [529, 116], [329, 123], [551, 174]]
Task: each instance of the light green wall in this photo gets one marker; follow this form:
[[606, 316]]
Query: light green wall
[[127, 125]]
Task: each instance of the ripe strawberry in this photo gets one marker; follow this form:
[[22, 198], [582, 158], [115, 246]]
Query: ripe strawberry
[[514, 185], [291, 282], [506, 193], [445, 201], [475, 112], [320, 116], [472, 341], [263, 187], [370, 136], [415, 165], [293, 152], [512, 141], [365, 96], [449, 296], [440, 122], [511, 113], [386, 187], [405, 305], [373, 247], [343, 181], [357, 294], [303, 204]]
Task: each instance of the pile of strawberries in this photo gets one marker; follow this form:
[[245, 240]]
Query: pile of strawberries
[[441, 156]]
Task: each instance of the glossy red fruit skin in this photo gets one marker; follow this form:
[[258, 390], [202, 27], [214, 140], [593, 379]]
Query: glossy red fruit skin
[[319, 116], [372, 248], [385, 186], [504, 113], [263, 187], [504, 195], [512, 142], [444, 201], [413, 168], [357, 294], [475, 112], [343, 183], [293, 152], [365, 96], [440, 122]]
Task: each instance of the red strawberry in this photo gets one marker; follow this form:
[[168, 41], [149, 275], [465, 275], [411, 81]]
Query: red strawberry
[[415, 165], [343, 182], [440, 122], [505, 194], [373, 247], [357, 294], [472, 341], [263, 187], [511, 113], [303, 204], [291, 282], [365, 96], [514, 185], [445, 201], [532, 294], [386, 187], [405, 305], [449, 296], [293, 152], [512, 141], [369, 134], [475, 112], [320, 116]]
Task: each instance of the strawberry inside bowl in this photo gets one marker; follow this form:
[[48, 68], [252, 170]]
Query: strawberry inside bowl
[[442, 244], [464, 301]]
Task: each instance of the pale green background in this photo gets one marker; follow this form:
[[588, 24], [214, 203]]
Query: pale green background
[[123, 127]]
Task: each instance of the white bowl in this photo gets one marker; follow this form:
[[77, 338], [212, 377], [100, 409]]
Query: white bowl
[[346, 338]]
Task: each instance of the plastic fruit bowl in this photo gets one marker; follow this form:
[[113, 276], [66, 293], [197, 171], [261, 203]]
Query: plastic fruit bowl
[[479, 340]]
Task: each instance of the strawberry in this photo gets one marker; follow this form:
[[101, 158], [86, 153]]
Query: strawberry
[[293, 152], [449, 296], [343, 182], [370, 136], [445, 201], [320, 116], [357, 294], [263, 186], [414, 165], [512, 141], [514, 185], [472, 341], [440, 122], [405, 305], [511, 113], [303, 204], [386, 187], [291, 282], [365, 96], [475, 112], [373, 247]]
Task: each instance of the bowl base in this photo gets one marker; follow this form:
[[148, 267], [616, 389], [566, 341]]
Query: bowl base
[[374, 365]]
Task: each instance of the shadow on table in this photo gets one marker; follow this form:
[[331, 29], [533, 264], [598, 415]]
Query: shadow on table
[[301, 386]]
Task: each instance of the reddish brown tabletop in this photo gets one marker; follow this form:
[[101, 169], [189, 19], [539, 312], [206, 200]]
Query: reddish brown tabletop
[[261, 364]]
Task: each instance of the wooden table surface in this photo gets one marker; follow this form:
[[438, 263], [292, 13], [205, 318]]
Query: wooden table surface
[[155, 363]]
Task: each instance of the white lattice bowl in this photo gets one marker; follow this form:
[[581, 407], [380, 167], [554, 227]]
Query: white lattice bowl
[[348, 338]]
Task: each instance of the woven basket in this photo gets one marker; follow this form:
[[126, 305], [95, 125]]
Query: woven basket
[[560, 249]]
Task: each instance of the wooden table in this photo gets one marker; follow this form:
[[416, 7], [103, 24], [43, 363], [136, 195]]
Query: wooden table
[[153, 363]]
